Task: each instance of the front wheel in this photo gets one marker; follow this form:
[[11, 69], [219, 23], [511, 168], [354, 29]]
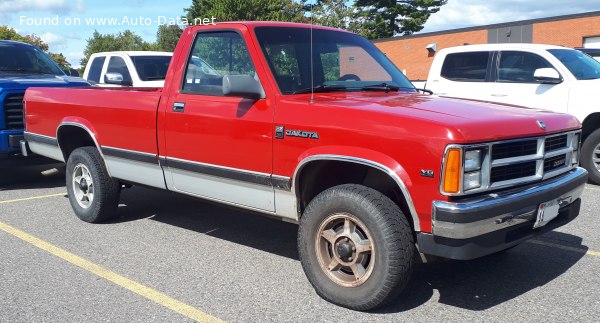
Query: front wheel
[[356, 247], [93, 194], [590, 156]]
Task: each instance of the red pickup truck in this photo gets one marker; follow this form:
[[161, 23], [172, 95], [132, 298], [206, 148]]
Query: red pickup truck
[[315, 125]]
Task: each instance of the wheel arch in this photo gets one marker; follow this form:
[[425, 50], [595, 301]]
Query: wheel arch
[[388, 173], [73, 134], [590, 124]]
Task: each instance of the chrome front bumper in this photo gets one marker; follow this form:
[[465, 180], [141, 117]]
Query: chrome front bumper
[[481, 225]]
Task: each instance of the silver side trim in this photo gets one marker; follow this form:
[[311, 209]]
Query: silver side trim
[[383, 168], [216, 166], [136, 172], [68, 123], [49, 151]]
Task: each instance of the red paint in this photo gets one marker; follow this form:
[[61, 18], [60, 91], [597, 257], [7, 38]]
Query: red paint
[[405, 132]]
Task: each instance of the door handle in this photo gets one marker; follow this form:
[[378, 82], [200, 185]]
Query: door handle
[[178, 107]]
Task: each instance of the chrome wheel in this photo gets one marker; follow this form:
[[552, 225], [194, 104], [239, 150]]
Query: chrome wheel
[[596, 157], [83, 186], [345, 250]]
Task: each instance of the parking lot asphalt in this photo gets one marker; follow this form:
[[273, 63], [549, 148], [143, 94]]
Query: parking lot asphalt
[[168, 258]]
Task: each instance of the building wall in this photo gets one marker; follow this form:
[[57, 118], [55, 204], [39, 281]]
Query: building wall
[[568, 33], [411, 56]]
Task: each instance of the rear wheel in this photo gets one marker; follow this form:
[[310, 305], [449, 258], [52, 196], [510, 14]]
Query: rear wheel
[[356, 247], [93, 194], [590, 156]]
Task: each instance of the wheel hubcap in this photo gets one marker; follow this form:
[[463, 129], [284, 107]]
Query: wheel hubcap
[[83, 186], [345, 250], [596, 157]]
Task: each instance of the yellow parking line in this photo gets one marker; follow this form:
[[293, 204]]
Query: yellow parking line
[[567, 248], [33, 198], [147, 292]]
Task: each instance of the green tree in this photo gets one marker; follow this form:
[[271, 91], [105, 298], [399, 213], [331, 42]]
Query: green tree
[[126, 40], [167, 37], [387, 18], [244, 10], [61, 60]]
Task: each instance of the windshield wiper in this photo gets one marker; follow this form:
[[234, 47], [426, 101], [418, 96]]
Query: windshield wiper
[[380, 87], [321, 88]]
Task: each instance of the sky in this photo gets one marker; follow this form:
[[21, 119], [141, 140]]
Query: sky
[[66, 24]]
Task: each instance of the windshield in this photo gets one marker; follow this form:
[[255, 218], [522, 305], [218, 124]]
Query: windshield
[[26, 59], [151, 68], [582, 66], [341, 61]]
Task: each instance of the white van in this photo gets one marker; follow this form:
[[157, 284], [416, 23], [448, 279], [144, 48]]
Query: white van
[[138, 69], [538, 76]]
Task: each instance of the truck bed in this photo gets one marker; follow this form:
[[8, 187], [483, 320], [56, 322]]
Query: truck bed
[[126, 121]]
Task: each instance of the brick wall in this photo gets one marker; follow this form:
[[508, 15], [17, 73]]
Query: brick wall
[[410, 54], [568, 33]]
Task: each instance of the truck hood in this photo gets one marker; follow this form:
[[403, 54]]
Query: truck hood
[[466, 120], [20, 81]]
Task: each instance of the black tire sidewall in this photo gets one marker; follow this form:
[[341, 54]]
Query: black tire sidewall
[[90, 158], [587, 151], [369, 294]]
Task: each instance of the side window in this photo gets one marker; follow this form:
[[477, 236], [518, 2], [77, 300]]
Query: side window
[[117, 64], [213, 56], [96, 69], [519, 67], [466, 67]]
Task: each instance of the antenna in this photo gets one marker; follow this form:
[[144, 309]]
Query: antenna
[[312, 83]]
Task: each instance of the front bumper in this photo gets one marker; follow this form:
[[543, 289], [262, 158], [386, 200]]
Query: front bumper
[[479, 226]]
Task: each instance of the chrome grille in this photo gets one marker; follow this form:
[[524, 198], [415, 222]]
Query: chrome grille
[[524, 160], [514, 171], [556, 142], [13, 111]]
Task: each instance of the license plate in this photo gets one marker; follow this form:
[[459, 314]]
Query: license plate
[[546, 212]]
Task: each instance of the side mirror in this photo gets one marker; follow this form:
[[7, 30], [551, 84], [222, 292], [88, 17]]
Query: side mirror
[[547, 76], [116, 79], [244, 86], [73, 72]]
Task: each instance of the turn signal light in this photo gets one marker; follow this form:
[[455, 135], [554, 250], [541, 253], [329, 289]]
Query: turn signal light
[[452, 171]]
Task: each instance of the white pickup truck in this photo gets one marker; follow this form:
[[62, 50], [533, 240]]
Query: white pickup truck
[[138, 69], [532, 75]]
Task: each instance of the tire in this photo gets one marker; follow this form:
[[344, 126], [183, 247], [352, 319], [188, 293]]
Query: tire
[[590, 156], [93, 194], [372, 217]]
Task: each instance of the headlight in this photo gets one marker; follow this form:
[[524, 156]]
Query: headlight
[[575, 146], [472, 160], [472, 180], [462, 169]]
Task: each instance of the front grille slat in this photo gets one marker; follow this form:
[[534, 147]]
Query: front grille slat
[[555, 143], [514, 149], [13, 111]]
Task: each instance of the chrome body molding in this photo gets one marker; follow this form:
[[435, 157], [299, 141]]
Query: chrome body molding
[[476, 216], [350, 159], [133, 155], [90, 133]]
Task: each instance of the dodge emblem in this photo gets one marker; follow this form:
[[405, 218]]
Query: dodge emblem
[[541, 124]]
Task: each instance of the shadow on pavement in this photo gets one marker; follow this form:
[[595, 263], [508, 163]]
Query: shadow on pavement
[[42, 176], [473, 285]]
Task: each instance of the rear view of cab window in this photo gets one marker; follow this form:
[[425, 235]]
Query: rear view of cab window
[[96, 69], [466, 67]]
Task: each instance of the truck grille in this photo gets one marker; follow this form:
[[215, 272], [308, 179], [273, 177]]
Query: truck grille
[[13, 111], [524, 160]]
